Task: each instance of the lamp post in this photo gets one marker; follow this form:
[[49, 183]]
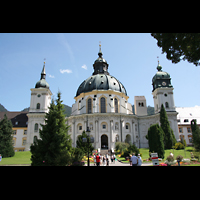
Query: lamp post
[[88, 141]]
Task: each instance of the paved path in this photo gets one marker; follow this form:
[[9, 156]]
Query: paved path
[[117, 163]]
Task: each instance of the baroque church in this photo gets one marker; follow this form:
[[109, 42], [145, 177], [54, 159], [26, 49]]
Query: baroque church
[[101, 103]]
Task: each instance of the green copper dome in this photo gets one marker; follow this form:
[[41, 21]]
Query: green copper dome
[[100, 79], [101, 82], [42, 83], [161, 78]]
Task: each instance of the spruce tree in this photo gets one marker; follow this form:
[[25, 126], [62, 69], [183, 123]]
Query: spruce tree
[[169, 138], [84, 145], [195, 134], [55, 145], [6, 138], [155, 139]]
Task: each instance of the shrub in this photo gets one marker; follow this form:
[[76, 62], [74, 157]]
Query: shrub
[[121, 146], [131, 149], [179, 157], [170, 158], [178, 146]]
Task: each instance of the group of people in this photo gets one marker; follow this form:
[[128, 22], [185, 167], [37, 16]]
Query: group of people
[[103, 160], [136, 160]]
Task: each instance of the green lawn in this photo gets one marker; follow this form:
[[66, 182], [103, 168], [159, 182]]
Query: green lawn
[[20, 158], [145, 153], [186, 154]]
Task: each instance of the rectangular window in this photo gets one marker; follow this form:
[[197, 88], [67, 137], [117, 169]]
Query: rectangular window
[[126, 126], [186, 120], [80, 128], [180, 130], [104, 126], [15, 132], [25, 132], [188, 129], [24, 141], [190, 138]]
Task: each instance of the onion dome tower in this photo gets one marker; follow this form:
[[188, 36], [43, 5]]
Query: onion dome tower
[[42, 83], [162, 91]]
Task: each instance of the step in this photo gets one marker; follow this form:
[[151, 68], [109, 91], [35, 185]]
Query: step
[[103, 152]]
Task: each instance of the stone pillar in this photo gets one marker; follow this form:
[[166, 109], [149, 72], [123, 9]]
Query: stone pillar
[[133, 132], [111, 134], [96, 131], [74, 134]]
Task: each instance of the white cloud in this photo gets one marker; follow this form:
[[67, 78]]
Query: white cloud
[[65, 71], [51, 76], [84, 67]]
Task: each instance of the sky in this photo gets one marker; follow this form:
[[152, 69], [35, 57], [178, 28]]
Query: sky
[[132, 59]]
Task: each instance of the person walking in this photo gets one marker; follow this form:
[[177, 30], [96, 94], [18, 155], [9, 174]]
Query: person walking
[[98, 160], [94, 159], [104, 160], [0, 157], [114, 156], [139, 160], [134, 160], [107, 159]]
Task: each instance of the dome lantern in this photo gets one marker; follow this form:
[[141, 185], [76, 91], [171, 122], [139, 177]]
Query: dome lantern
[[100, 64]]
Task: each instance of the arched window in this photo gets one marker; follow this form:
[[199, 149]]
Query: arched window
[[116, 105], [116, 126], [117, 138], [166, 105], [89, 106], [35, 139], [38, 106], [103, 105], [36, 127]]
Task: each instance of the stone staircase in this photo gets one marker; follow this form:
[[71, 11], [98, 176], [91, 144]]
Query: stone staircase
[[104, 152]]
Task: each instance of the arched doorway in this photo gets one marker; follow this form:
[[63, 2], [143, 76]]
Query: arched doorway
[[104, 142], [128, 138]]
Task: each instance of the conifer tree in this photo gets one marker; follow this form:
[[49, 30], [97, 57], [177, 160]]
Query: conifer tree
[[6, 138], [169, 138], [195, 134], [155, 139], [55, 145], [84, 146]]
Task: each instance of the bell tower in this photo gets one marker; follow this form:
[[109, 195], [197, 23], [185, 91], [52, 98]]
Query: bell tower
[[162, 91], [40, 101]]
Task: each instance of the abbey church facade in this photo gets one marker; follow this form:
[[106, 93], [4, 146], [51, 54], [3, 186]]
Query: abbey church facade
[[101, 103]]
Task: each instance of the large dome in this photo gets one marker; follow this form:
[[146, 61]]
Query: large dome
[[101, 82], [100, 79]]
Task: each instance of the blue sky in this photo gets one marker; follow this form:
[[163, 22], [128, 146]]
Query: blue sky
[[132, 59]]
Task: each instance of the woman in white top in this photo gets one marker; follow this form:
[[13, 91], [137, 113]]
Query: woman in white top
[[139, 160]]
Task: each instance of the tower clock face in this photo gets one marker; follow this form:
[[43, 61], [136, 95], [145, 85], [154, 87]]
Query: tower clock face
[[164, 83]]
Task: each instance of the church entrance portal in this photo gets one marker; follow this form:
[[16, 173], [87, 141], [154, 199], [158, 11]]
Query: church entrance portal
[[104, 142]]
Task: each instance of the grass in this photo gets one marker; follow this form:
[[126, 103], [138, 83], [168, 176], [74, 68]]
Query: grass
[[145, 153], [185, 154], [23, 158], [20, 158]]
